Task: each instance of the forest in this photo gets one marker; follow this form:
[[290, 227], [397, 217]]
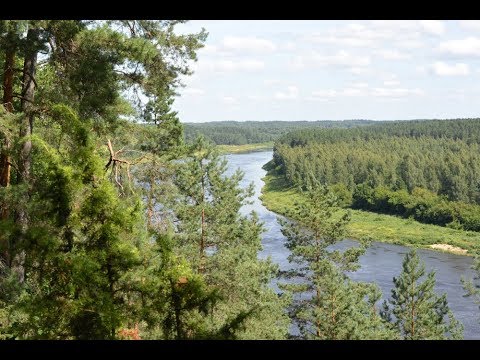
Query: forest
[[252, 132], [110, 229], [428, 170]]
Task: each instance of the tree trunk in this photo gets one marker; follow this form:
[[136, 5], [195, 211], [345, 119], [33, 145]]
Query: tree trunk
[[177, 308], [4, 155], [26, 127], [202, 243], [201, 268], [8, 104], [28, 95]]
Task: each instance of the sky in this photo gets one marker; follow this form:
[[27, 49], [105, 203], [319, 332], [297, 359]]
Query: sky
[[333, 70]]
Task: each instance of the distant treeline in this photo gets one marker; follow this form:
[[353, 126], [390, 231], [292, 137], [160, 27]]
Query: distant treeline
[[467, 130], [252, 132], [385, 167]]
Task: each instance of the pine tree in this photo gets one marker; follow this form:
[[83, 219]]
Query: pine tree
[[73, 240], [328, 305], [175, 302], [414, 310], [87, 65], [223, 247]]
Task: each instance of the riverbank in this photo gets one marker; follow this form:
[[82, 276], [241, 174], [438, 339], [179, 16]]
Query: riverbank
[[276, 196], [239, 149]]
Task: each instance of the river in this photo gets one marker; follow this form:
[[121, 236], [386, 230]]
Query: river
[[379, 264]]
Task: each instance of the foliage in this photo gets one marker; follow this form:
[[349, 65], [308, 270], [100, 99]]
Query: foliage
[[223, 245], [440, 156], [414, 309], [328, 304]]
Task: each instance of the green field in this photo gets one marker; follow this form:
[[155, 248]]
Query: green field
[[237, 149], [276, 196]]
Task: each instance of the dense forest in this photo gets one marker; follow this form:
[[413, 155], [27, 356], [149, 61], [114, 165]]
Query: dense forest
[[110, 229], [252, 132], [428, 170]]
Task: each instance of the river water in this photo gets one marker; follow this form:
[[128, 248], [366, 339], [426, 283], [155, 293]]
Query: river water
[[379, 264]]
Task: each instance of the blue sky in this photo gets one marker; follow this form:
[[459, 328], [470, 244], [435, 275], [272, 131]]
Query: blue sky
[[333, 70]]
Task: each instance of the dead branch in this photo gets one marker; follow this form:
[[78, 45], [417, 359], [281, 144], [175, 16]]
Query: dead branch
[[116, 162]]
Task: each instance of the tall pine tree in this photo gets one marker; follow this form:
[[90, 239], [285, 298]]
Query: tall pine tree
[[327, 304], [414, 310], [223, 245]]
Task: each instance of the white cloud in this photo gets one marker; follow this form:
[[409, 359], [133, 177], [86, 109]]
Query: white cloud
[[291, 93], [359, 85], [324, 95], [229, 100], [314, 98], [251, 44], [434, 27], [270, 82], [470, 24], [401, 33], [408, 28], [349, 35], [409, 44], [230, 45], [341, 58], [395, 92], [193, 91], [389, 54], [443, 69], [288, 46], [469, 46], [256, 97], [359, 70], [389, 76], [341, 40], [397, 33], [331, 93], [395, 25], [391, 83], [421, 69], [233, 65], [354, 92]]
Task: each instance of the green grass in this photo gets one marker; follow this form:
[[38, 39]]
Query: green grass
[[277, 197], [237, 149]]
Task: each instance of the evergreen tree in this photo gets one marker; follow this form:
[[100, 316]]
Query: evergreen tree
[[175, 301], [74, 242], [88, 65], [81, 245], [328, 304], [223, 246], [414, 310]]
